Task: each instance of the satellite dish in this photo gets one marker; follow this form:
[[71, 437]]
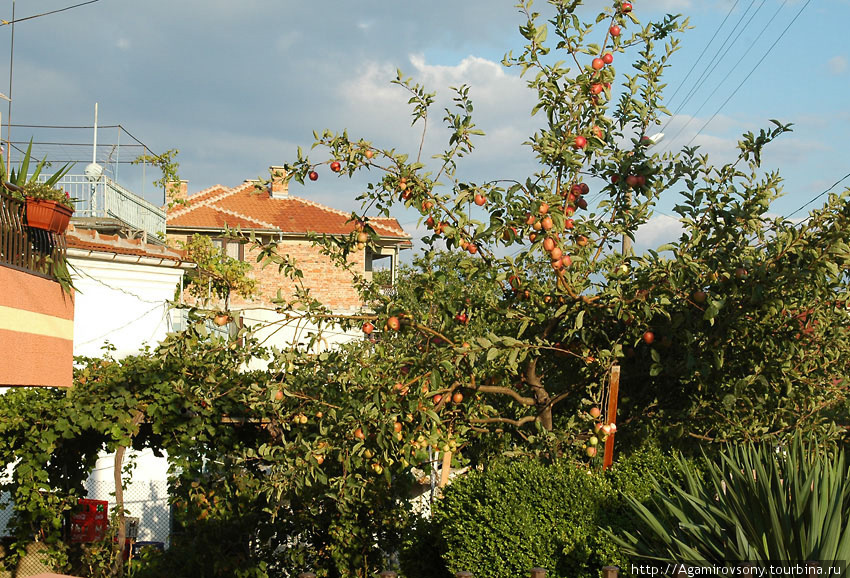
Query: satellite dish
[[93, 172]]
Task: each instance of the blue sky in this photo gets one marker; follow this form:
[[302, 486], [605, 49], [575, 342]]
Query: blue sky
[[237, 86]]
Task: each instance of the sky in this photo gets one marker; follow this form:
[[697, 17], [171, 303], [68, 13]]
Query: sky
[[237, 86]]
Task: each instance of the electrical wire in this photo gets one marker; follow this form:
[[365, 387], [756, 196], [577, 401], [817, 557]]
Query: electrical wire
[[746, 78], [816, 197], [111, 331], [717, 85], [704, 50], [15, 20], [711, 62]]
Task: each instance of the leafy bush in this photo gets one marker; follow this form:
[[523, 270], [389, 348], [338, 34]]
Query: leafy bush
[[756, 503], [518, 514]]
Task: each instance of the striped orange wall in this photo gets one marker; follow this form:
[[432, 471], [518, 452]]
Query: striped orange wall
[[36, 331]]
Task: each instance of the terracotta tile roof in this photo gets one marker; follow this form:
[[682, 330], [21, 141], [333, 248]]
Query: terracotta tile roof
[[246, 207], [90, 240]]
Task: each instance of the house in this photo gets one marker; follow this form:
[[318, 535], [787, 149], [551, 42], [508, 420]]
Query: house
[[273, 215]]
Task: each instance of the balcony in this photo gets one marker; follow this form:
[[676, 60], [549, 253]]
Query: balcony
[[36, 314], [105, 199]]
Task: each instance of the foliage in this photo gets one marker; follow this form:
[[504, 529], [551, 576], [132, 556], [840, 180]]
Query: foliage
[[28, 185], [218, 274], [758, 503], [737, 330], [166, 163], [521, 513], [499, 341]]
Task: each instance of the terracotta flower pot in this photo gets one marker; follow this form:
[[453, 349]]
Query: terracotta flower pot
[[48, 215]]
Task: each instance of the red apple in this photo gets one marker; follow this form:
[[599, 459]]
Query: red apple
[[393, 323], [595, 412], [614, 30], [547, 223], [626, 7], [596, 88], [581, 204], [584, 188], [368, 154], [632, 180], [313, 175], [591, 451], [480, 199], [607, 58], [580, 142], [699, 296], [581, 241], [335, 166], [472, 248], [556, 254], [544, 208], [457, 397], [462, 318], [569, 224], [648, 337], [597, 64], [368, 328], [548, 243]]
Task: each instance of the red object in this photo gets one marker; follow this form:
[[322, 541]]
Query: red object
[[49, 215], [89, 521]]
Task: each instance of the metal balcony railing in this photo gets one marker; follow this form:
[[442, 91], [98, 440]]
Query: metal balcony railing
[[27, 248], [107, 199]]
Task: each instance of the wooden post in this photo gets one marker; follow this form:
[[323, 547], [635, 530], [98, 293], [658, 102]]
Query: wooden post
[[446, 469], [463, 575], [306, 575], [611, 415], [388, 574], [610, 571], [538, 573]]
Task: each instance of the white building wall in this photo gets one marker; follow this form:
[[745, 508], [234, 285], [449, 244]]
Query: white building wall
[[124, 304]]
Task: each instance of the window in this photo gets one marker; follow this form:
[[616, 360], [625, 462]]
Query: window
[[231, 248]]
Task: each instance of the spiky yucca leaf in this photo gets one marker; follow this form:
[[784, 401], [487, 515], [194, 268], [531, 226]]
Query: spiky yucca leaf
[[755, 503]]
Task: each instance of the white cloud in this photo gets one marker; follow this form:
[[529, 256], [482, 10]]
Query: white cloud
[[660, 229], [837, 65]]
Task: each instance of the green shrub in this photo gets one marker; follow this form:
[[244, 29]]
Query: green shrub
[[522, 513]]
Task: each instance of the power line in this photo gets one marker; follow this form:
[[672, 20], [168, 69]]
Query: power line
[[751, 71], [14, 20], [731, 70], [714, 58], [704, 50], [835, 184]]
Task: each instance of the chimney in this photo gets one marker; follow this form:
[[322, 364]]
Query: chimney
[[176, 191], [279, 186]]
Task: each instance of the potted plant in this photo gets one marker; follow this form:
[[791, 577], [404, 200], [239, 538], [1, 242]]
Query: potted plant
[[46, 206]]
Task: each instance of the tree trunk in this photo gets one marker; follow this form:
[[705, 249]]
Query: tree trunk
[[541, 396], [118, 563]]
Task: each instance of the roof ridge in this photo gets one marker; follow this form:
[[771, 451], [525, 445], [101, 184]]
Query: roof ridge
[[192, 205], [246, 217]]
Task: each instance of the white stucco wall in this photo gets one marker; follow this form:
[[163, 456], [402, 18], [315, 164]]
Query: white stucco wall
[[125, 304]]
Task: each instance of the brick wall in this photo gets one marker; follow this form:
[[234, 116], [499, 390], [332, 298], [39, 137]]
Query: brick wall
[[329, 284]]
